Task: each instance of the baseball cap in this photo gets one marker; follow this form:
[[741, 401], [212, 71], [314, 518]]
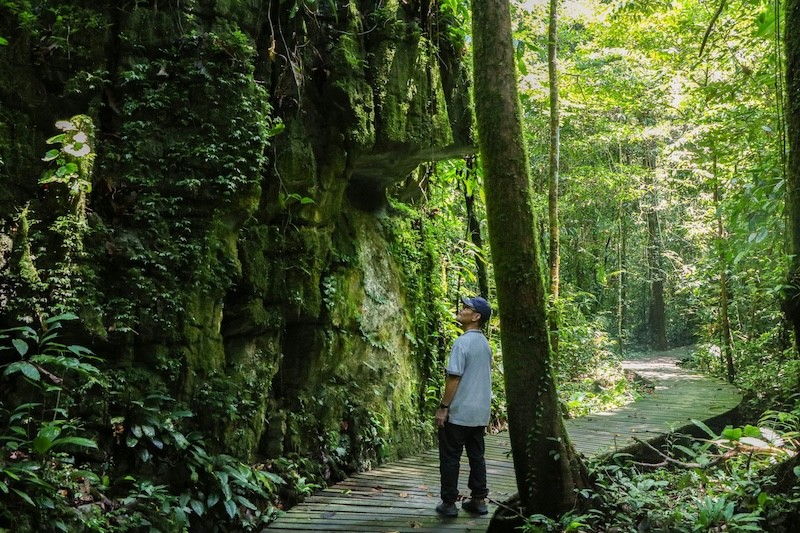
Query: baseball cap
[[480, 305]]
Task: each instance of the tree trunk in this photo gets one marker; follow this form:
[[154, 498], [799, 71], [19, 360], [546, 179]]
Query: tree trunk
[[548, 470], [554, 258], [792, 41], [657, 315], [725, 324], [474, 228], [622, 247]]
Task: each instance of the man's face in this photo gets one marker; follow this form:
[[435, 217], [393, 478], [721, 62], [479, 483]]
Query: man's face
[[467, 315]]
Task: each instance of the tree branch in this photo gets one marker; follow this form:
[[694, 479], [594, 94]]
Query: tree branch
[[710, 26]]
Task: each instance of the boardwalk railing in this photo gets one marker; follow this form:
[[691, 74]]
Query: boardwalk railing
[[401, 496]]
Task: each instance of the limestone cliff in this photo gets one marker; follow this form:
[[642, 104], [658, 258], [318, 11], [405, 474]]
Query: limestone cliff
[[234, 246]]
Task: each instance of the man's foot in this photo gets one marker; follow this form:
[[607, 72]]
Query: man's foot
[[475, 506], [447, 509]]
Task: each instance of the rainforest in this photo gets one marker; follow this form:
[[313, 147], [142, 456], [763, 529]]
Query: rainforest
[[235, 234]]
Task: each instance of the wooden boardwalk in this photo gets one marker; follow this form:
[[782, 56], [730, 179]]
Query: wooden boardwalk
[[401, 496]]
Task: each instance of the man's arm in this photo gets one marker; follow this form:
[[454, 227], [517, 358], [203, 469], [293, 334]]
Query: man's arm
[[450, 387]]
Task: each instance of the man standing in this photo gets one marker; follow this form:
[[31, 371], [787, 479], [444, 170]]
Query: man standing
[[464, 411]]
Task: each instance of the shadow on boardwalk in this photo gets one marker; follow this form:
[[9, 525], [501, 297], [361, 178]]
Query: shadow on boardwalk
[[401, 496]]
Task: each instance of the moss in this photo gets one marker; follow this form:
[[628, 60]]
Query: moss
[[208, 267], [409, 97]]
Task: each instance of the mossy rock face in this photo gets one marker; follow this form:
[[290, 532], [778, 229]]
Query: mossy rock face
[[236, 255]]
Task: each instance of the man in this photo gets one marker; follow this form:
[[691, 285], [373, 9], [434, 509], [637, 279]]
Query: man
[[463, 413]]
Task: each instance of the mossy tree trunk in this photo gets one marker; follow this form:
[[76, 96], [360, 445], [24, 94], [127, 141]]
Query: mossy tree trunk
[[724, 318], [546, 466], [792, 41], [474, 227]]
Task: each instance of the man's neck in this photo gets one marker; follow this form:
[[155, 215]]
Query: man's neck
[[470, 327]]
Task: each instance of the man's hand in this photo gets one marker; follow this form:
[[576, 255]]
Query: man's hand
[[441, 416]]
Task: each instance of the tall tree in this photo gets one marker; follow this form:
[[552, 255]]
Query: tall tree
[[548, 471], [792, 42], [473, 224], [622, 250], [657, 315], [724, 318], [553, 259]]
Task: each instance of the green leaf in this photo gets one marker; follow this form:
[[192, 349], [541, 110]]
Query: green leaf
[[24, 497], [230, 508], [21, 346], [275, 478], [49, 156], [226, 491], [184, 498], [732, 434], [56, 139], [3, 41], [180, 440], [27, 369], [247, 503], [212, 499], [41, 445], [765, 23], [80, 442], [198, 507], [64, 316], [276, 129], [79, 350], [752, 431], [704, 427]]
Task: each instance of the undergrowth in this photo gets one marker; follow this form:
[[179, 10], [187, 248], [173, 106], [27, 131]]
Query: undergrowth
[[723, 482], [78, 453]]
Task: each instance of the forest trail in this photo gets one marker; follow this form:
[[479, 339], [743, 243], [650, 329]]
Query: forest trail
[[401, 496]]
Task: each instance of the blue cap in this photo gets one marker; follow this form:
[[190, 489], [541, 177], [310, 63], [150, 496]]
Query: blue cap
[[480, 305]]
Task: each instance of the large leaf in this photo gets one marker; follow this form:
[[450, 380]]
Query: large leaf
[[704, 427], [198, 507], [230, 508], [25, 367], [63, 316], [79, 442], [21, 346], [212, 499], [24, 496]]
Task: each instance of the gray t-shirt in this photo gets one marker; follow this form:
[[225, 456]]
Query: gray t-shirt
[[471, 358]]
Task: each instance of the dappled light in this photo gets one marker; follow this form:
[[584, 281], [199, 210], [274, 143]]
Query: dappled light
[[235, 239]]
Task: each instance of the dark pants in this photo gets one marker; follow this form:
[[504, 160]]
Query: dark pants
[[452, 440]]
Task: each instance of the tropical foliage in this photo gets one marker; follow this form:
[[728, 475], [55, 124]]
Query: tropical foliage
[[672, 182]]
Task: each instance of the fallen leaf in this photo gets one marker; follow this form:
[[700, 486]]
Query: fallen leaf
[[403, 495]]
